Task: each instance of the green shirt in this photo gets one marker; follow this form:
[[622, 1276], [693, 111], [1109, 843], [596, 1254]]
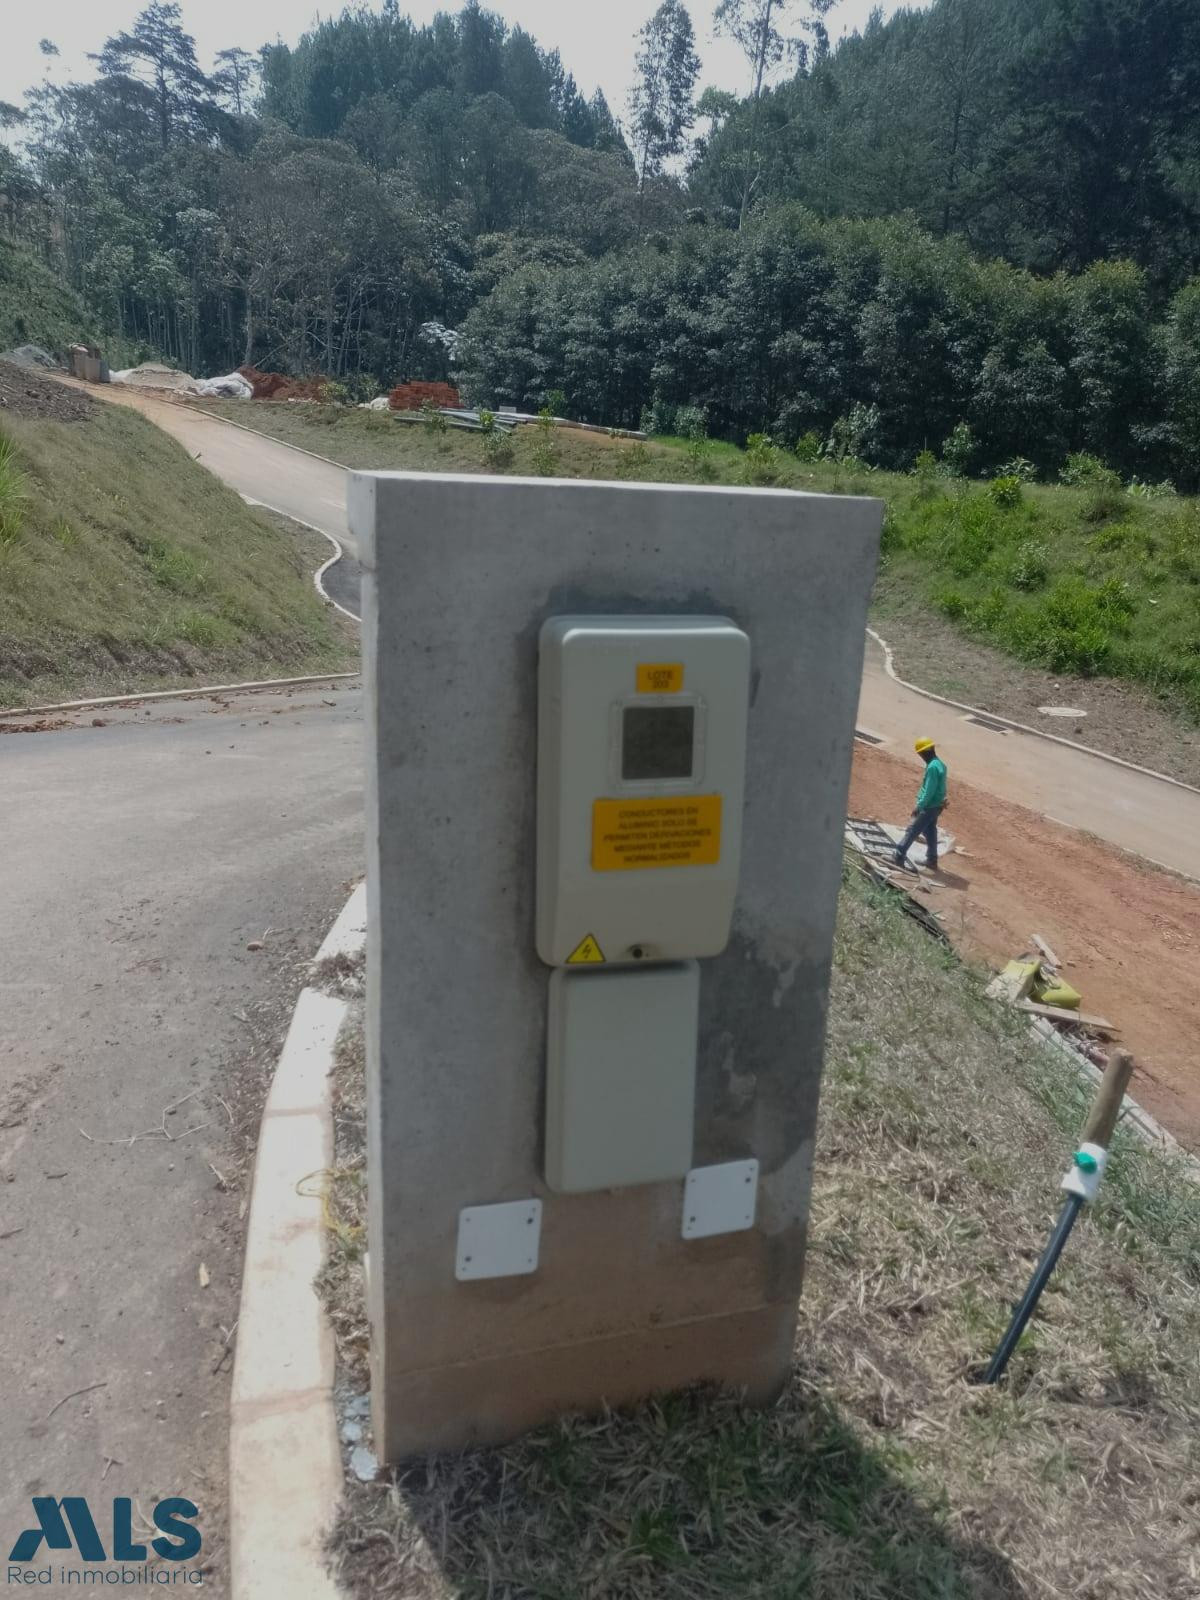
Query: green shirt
[[933, 790]]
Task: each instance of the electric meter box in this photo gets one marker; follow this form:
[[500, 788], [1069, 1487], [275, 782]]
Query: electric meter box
[[641, 772]]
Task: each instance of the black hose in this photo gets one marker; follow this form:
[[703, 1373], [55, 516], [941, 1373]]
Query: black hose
[[1041, 1276]]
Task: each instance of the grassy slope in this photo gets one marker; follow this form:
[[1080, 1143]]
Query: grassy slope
[[883, 1473], [1068, 580], [36, 307], [135, 568]]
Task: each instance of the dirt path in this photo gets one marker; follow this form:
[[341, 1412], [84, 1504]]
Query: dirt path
[[1129, 934]]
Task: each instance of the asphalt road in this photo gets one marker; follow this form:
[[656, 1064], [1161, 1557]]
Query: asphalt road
[[140, 860]]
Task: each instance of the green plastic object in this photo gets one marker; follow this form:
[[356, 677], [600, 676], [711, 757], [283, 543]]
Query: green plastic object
[[1085, 1161]]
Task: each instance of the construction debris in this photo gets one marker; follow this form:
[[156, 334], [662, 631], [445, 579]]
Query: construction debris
[[278, 386], [231, 387], [875, 851], [412, 396], [1032, 983]]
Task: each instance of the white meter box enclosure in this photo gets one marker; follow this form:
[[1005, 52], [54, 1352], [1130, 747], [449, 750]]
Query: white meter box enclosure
[[641, 771]]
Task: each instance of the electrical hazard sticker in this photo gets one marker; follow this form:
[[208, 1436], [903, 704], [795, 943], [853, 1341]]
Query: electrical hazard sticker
[[632, 834], [587, 953]]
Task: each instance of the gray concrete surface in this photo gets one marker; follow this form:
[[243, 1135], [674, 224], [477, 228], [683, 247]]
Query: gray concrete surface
[[620, 1306], [140, 860]]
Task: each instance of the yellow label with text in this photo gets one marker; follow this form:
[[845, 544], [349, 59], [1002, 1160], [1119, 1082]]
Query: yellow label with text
[[684, 831], [659, 677]]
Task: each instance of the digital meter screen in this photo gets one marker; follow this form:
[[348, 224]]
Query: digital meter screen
[[657, 743]]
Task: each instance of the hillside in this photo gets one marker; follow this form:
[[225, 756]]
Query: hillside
[[125, 566], [36, 306]]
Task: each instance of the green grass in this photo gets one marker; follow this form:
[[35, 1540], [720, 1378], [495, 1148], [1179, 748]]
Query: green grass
[[1079, 581], [883, 1472], [36, 306], [124, 566]]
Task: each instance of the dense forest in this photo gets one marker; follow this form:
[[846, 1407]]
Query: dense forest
[[981, 215]]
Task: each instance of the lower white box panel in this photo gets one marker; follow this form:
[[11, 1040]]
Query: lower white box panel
[[621, 1076]]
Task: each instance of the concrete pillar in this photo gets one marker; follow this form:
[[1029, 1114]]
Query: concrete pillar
[[459, 574]]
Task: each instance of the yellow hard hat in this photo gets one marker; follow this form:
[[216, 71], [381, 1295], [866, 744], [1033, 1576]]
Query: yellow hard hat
[[923, 744]]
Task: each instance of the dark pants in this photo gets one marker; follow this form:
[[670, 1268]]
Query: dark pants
[[923, 825]]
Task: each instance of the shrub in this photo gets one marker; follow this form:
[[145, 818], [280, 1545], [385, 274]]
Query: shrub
[[1019, 467], [808, 447], [1084, 471], [1165, 490], [556, 403], [658, 417], [334, 394], [958, 451], [545, 449], [855, 437], [1005, 492], [498, 451], [1030, 566], [432, 420], [760, 464], [487, 422], [693, 425]]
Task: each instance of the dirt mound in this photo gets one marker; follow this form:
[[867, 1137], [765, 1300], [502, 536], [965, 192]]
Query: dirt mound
[[278, 386], [24, 392], [412, 396], [153, 375]]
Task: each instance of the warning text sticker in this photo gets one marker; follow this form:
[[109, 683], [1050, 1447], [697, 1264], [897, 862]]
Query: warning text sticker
[[681, 832]]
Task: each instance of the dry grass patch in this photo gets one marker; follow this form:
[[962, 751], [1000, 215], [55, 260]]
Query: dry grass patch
[[883, 1473]]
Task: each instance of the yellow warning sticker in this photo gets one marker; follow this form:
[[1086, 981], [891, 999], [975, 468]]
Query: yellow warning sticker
[[659, 677], [681, 832], [587, 953]]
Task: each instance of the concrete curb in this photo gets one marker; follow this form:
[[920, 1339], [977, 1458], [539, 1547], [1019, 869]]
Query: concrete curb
[[338, 551], [1023, 727], [285, 1464], [181, 694]]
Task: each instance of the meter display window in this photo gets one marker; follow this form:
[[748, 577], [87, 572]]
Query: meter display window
[[657, 743]]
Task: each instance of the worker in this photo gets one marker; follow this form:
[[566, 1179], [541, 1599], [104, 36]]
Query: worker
[[931, 802]]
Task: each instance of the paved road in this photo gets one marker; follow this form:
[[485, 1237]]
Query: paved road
[[1135, 812], [1130, 810], [140, 860]]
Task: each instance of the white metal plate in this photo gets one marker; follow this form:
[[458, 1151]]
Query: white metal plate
[[498, 1241], [720, 1199]]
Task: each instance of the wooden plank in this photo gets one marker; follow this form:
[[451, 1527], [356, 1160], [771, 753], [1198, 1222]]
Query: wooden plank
[[1046, 950], [1061, 1014]]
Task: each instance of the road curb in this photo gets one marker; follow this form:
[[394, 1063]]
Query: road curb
[[179, 694], [1022, 727], [339, 553], [285, 1465]]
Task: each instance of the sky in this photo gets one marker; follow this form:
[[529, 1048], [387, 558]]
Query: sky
[[597, 41]]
